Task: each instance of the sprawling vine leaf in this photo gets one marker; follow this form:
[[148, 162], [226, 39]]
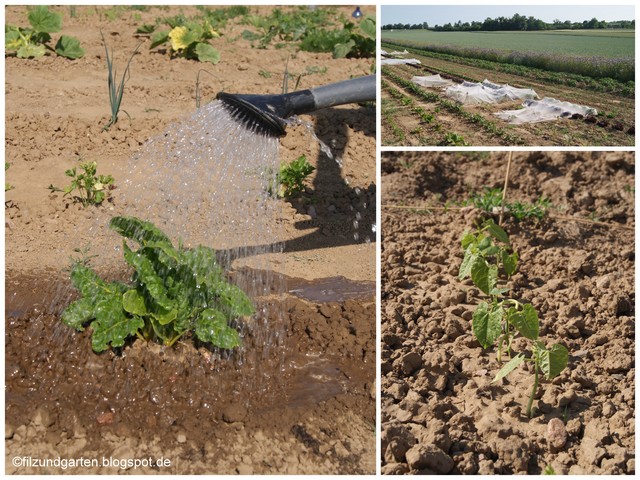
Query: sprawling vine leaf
[[69, 47], [206, 53], [42, 20]]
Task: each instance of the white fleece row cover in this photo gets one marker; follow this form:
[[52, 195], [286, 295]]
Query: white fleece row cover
[[488, 92], [544, 110], [399, 61], [432, 81]]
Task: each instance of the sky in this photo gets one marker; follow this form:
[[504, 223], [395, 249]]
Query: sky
[[439, 14]]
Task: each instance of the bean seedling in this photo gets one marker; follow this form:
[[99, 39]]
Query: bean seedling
[[172, 291], [487, 254]]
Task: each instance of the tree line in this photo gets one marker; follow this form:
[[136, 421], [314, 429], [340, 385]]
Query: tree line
[[517, 22]]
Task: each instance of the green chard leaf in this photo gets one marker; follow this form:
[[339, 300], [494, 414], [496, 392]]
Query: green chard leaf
[[487, 323], [112, 325], [138, 230], [147, 275], [211, 327], [79, 313]]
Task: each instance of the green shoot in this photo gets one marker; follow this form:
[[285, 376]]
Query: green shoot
[[91, 189], [7, 186], [116, 92], [291, 178]]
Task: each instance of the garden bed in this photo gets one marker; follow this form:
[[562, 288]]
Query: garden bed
[[302, 404], [440, 411]]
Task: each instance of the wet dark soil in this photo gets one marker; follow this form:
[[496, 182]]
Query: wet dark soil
[[254, 411]]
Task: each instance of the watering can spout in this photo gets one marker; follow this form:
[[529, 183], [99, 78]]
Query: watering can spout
[[267, 112]]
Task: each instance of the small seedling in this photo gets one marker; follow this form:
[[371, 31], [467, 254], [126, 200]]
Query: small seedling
[[91, 189], [291, 178], [487, 255], [7, 186], [116, 92], [34, 42], [172, 291], [490, 199]]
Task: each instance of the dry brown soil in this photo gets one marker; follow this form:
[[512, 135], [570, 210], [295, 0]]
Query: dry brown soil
[[304, 404], [440, 411]]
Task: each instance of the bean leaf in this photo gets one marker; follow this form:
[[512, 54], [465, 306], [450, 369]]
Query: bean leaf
[[508, 367], [487, 323], [525, 321], [553, 360]]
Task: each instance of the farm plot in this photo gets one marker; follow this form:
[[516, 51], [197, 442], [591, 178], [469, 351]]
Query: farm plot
[[614, 125], [442, 411], [297, 396]]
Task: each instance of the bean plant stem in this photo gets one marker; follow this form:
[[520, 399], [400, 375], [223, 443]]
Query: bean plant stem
[[506, 186], [533, 390]]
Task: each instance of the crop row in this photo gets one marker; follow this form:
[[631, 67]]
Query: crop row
[[453, 107], [621, 69], [448, 139], [607, 85]]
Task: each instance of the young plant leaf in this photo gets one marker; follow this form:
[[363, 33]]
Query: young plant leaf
[[467, 239], [497, 232], [133, 302], [31, 51], [42, 20], [508, 367], [206, 53], [69, 47], [158, 38], [484, 276], [509, 262], [211, 327], [79, 313], [112, 325], [553, 360], [525, 321], [487, 324], [469, 259]]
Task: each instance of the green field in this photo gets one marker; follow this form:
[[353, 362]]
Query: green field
[[584, 43]]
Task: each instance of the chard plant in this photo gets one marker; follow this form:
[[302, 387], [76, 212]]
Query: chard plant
[[34, 42], [489, 261], [173, 291]]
